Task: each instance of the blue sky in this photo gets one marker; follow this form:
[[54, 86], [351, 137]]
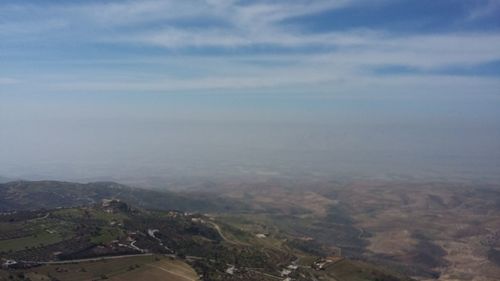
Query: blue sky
[[368, 63], [171, 46]]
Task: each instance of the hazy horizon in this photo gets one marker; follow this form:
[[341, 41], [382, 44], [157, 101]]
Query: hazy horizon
[[160, 89]]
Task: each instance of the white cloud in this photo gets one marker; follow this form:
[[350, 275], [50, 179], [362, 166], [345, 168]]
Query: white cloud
[[259, 24], [306, 76], [247, 25], [420, 51], [247, 15], [350, 53], [360, 48]]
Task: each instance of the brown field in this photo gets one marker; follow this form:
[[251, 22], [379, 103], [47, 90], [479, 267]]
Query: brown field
[[162, 270], [275, 197], [155, 268], [455, 222], [433, 231]]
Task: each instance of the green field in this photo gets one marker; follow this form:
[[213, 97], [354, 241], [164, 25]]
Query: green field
[[107, 234], [18, 244]]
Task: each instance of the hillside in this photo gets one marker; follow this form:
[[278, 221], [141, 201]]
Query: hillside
[[33, 195], [4, 179], [114, 240]]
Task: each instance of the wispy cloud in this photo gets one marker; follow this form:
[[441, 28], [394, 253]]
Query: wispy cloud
[[254, 45], [490, 8]]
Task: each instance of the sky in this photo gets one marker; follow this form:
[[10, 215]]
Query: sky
[[132, 90]]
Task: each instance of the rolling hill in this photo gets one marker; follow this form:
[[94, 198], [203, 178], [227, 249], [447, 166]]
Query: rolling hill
[[32, 195]]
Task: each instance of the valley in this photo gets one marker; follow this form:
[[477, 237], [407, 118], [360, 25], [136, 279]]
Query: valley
[[274, 230], [78, 243]]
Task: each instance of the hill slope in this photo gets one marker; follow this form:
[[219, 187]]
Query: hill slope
[[32, 195], [50, 242]]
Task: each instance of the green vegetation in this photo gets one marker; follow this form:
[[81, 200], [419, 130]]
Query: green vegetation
[[107, 234], [360, 271], [38, 240], [252, 245]]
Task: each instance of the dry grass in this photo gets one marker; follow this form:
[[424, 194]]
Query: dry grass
[[134, 268], [160, 271]]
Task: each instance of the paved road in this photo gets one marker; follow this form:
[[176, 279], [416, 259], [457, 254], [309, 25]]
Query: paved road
[[116, 257], [217, 227], [91, 259]]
